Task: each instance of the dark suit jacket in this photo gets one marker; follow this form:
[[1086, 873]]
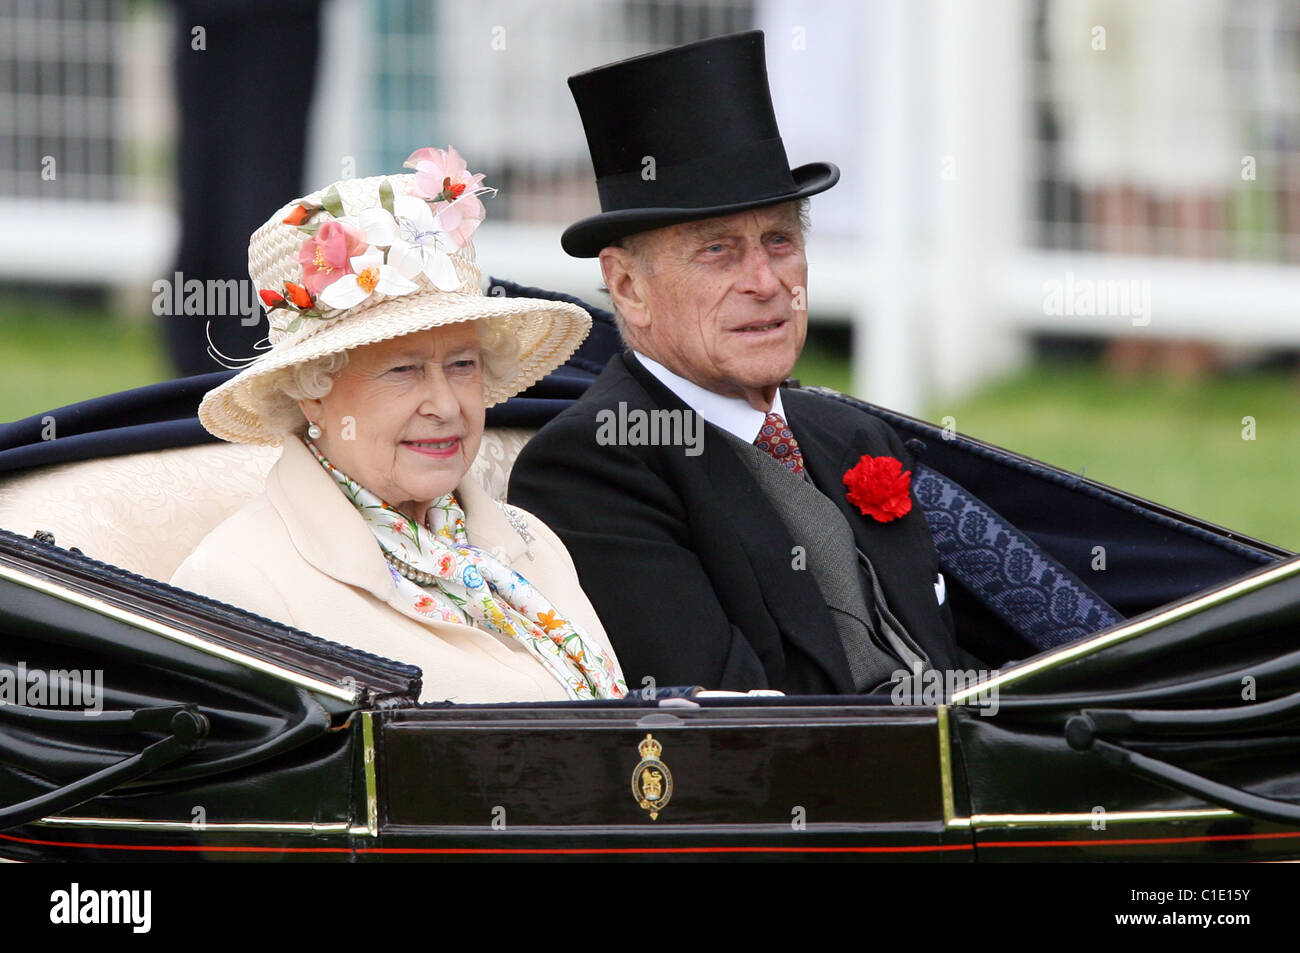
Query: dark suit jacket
[[692, 572]]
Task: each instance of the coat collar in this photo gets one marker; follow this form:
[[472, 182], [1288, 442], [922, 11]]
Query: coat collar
[[732, 414], [328, 532], [797, 607]]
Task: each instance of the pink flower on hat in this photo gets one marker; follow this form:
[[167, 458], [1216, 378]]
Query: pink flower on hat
[[444, 179], [461, 217], [325, 256]]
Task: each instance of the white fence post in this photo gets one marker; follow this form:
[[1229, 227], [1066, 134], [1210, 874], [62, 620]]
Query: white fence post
[[884, 347], [975, 165]]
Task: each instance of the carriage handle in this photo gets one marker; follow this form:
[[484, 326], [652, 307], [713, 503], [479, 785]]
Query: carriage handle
[[1082, 731], [186, 729]]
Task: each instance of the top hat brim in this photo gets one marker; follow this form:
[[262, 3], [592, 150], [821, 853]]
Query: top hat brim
[[585, 238]]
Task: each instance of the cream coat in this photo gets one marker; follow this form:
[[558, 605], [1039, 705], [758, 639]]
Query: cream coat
[[301, 554]]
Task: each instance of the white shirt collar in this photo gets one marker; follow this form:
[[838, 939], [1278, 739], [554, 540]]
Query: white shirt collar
[[732, 414]]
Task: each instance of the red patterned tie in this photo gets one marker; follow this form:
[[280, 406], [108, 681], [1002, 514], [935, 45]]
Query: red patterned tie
[[776, 439]]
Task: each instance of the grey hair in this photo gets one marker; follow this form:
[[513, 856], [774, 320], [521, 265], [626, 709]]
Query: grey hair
[[500, 345], [638, 245], [276, 395]]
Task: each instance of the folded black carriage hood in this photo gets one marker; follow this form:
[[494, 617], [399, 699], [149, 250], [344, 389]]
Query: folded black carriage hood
[[160, 662]]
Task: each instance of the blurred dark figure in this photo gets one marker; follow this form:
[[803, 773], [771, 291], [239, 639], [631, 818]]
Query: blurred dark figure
[[243, 88]]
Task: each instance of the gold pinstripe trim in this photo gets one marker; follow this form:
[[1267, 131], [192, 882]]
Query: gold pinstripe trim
[[1131, 630], [133, 823], [989, 821]]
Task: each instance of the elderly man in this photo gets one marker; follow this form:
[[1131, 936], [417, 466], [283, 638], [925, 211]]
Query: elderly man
[[706, 505]]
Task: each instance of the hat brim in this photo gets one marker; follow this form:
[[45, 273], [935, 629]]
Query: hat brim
[[585, 238], [548, 332]]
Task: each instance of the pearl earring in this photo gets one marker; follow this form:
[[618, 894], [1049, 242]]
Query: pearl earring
[[314, 431]]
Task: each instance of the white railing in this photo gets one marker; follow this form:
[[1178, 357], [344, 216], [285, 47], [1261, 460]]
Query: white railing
[[929, 247]]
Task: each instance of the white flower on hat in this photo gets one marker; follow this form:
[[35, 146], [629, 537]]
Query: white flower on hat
[[416, 241], [371, 275]]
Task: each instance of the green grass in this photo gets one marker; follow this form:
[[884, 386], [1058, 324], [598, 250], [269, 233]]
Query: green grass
[[51, 356], [1180, 444], [1177, 444], [825, 363]]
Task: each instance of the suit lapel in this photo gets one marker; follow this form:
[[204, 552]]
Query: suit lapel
[[827, 457], [901, 551], [792, 598]]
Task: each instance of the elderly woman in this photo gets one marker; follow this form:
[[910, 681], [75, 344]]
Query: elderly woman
[[384, 357]]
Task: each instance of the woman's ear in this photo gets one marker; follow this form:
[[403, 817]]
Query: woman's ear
[[312, 409]]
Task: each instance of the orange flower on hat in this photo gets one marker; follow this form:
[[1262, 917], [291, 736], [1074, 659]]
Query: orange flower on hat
[[880, 488], [299, 295], [300, 214]]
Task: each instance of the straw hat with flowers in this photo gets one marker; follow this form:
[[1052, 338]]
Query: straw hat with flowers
[[366, 260]]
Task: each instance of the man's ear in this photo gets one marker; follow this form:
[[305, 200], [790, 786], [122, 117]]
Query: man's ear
[[622, 274]]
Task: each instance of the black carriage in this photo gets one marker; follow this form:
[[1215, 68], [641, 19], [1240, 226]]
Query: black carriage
[[1151, 718]]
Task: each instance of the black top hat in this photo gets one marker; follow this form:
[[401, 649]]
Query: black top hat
[[684, 134]]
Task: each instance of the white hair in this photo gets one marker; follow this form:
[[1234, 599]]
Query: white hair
[[276, 395], [500, 347]]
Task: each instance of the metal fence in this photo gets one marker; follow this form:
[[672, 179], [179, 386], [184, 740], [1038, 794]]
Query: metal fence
[[84, 124], [992, 152]]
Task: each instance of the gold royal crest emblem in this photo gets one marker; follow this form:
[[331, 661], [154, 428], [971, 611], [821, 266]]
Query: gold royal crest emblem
[[652, 782]]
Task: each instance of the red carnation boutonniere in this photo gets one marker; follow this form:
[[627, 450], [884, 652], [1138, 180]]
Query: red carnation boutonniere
[[880, 488]]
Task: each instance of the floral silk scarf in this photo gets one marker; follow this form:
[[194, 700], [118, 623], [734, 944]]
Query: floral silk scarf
[[473, 587]]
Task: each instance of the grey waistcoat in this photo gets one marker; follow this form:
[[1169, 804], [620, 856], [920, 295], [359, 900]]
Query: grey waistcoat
[[875, 642]]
